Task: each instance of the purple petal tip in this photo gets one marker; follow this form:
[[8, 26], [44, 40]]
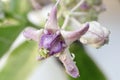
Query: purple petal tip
[[32, 33]]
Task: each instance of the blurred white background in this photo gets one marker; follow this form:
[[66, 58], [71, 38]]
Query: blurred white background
[[107, 57]]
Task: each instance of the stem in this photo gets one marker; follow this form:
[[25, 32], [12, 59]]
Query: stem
[[66, 16], [65, 22], [78, 13], [58, 1], [72, 13], [75, 21], [35, 4], [77, 6]]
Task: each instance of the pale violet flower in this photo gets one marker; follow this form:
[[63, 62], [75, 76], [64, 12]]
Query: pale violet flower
[[96, 36], [54, 41]]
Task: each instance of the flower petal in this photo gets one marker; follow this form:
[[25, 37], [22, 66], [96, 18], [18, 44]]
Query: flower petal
[[69, 64], [51, 24], [71, 36], [32, 33]]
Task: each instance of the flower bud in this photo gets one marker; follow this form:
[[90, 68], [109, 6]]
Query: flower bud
[[96, 36]]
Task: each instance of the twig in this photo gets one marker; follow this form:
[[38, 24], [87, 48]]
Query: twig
[[77, 6], [75, 21], [78, 13], [65, 22], [35, 4]]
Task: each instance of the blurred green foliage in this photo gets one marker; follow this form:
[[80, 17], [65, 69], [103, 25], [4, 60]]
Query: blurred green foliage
[[17, 7], [7, 36]]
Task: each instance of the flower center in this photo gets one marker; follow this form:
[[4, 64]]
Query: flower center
[[51, 43]]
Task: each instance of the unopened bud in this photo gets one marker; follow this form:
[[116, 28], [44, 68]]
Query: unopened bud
[[96, 36]]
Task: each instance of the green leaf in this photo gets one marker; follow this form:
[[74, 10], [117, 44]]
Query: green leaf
[[20, 63], [7, 36], [88, 69], [17, 7]]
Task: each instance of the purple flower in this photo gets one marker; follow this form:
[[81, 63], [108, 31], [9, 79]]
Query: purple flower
[[54, 41]]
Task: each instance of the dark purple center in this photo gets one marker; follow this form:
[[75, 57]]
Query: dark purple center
[[53, 42]]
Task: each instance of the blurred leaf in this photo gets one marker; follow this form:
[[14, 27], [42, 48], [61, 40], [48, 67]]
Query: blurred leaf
[[20, 63], [88, 69], [10, 28], [13, 23], [7, 36], [94, 2], [9, 21], [17, 7]]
